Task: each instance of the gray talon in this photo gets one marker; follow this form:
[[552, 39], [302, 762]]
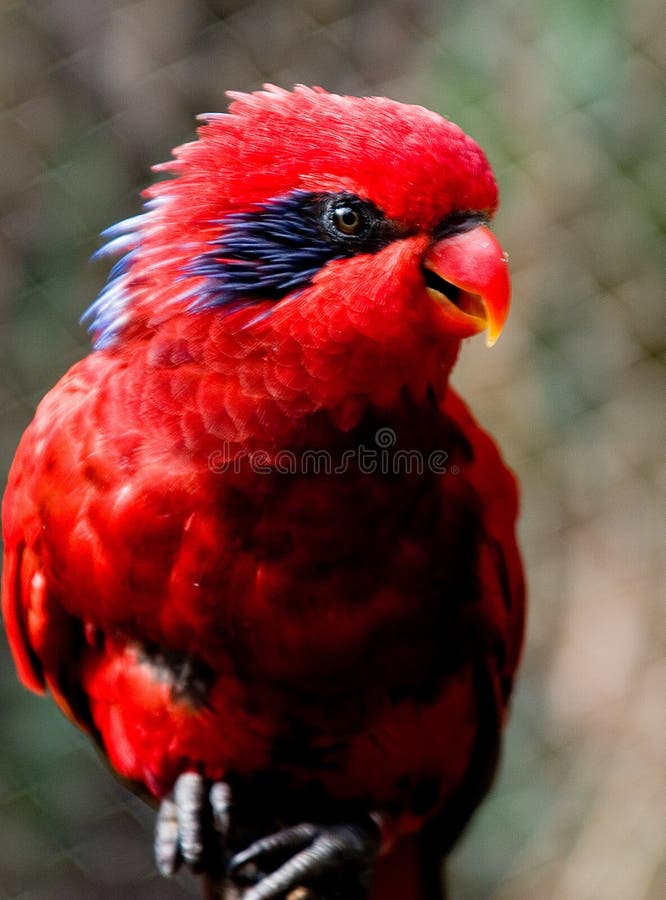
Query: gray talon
[[167, 854], [336, 860], [189, 796], [220, 801], [183, 829]]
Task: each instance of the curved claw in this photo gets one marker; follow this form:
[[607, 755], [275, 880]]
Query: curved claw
[[183, 823], [336, 860]]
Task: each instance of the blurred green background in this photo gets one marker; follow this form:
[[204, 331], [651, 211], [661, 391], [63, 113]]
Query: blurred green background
[[567, 98]]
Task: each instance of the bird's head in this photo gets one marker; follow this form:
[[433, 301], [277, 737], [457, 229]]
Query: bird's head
[[356, 225]]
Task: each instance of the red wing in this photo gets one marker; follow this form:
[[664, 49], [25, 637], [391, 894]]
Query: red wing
[[44, 640], [500, 571], [501, 593], [20, 570]]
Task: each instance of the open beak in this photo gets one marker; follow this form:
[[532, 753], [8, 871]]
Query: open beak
[[467, 275]]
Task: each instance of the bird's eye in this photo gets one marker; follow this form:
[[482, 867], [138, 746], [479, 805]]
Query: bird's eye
[[347, 219]]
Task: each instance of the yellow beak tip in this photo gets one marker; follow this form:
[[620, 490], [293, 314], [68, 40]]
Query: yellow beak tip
[[492, 337]]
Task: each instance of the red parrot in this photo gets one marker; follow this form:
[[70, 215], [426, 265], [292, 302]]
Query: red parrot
[[255, 545]]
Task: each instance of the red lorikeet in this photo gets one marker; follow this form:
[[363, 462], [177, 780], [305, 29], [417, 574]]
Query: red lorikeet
[[255, 544]]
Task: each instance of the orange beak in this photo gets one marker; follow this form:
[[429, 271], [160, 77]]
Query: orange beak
[[467, 275]]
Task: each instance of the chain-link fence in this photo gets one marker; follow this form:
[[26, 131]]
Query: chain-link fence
[[568, 100]]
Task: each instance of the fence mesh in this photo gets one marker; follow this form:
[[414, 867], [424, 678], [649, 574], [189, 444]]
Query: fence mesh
[[567, 99]]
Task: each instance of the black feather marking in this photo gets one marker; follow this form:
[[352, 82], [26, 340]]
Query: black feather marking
[[458, 221], [189, 678]]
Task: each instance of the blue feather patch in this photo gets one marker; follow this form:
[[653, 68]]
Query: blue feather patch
[[106, 316], [277, 247]]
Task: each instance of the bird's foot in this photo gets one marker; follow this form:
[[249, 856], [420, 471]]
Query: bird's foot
[[329, 862], [193, 825], [301, 862]]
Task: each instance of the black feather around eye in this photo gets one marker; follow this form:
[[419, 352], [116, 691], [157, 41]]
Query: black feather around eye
[[458, 221], [277, 247]]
